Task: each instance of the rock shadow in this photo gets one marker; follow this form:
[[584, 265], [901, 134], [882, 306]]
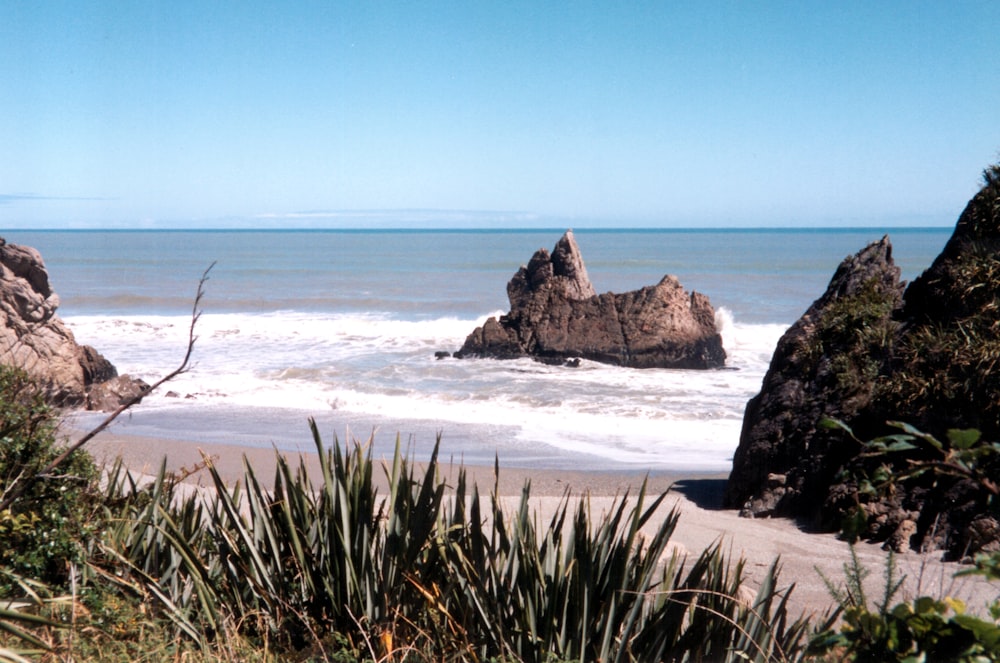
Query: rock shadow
[[705, 493]]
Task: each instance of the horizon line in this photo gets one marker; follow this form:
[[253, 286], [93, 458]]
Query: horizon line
[[469, 229]]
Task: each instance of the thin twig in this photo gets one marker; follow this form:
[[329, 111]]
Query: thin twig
[[10, 496]]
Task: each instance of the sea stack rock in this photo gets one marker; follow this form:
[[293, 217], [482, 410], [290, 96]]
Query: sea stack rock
[[556, 315], [868, 353], [33, 338]]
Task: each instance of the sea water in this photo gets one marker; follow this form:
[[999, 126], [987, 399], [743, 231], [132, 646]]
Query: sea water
[[343, 327]]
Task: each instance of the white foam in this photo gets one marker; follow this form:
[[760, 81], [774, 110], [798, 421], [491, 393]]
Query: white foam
[[375, 366]]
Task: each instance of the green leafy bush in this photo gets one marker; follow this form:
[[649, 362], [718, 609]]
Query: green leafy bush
[[925, 629], [44, 529], [910, 461]]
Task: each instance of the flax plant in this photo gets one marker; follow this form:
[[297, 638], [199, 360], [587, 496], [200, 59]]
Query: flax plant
[[429, 571]]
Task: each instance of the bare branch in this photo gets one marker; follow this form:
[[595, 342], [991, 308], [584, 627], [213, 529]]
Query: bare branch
[[11, 495]]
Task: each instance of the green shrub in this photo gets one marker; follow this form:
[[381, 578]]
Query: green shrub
[[45, 529], [893, 465], [925, 629]]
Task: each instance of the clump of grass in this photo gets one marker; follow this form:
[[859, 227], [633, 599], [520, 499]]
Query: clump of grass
[[428, 571]]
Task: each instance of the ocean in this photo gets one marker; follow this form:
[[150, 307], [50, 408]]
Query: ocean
[[343, 326]]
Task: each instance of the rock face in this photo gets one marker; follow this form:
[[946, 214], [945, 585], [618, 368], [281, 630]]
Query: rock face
[[555, 315], [868, 352], [822, 367], [32, 336]]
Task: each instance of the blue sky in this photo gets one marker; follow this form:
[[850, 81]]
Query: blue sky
[[670, 114]]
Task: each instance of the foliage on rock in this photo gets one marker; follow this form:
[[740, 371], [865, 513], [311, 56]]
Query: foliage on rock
[[864, 356], [914, 490], [826, 365], [946, 358]]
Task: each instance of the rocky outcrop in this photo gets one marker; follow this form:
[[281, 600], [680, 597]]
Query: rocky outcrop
[[33, 338], [869, 352], [110, 394], [825, 365], [555, 315]]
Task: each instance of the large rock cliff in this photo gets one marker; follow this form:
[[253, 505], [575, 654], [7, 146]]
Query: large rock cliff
[[825, 365], [556, 315], [869, 352], [35, 339]]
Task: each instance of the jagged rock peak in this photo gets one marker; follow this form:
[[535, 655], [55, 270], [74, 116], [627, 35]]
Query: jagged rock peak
[[866, 354], [872, 264], [556, 315], [567, 263], [805, 383], [563, 271]]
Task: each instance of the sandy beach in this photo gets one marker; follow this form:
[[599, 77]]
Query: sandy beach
[[804, 556]]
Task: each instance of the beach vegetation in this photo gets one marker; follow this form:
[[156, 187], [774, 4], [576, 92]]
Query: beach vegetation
[[46, 531], [437, 571], [925, 628], [325, 568]]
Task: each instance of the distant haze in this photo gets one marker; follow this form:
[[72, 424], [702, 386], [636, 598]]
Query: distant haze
[[514, 114]]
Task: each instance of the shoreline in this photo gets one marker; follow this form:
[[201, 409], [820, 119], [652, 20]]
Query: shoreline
[[805, 557], [144, 455]]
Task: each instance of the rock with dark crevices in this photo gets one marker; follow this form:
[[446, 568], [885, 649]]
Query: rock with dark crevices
[[871, 351], [810, 377], [34, 338], [557, 316]]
